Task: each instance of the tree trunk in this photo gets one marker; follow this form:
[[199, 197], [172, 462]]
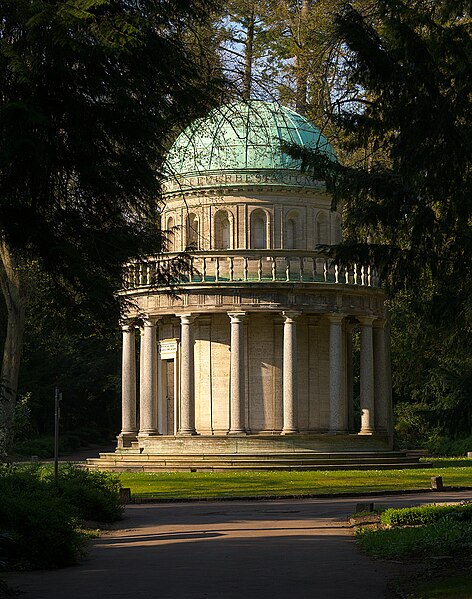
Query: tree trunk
[[248, 57], [301, 67], [10, 282]]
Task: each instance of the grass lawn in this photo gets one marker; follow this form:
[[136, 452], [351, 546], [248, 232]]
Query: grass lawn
[[180, 485], [436, 539], [450, 588]]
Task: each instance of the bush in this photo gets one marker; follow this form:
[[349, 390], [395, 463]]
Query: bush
[[69, 442], [40, 523], [412, 516], [444, 446], [42, 528], [443, 537], [93, 495], [43, 447]]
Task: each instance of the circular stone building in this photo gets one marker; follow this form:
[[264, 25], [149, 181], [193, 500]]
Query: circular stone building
[[249, 363]]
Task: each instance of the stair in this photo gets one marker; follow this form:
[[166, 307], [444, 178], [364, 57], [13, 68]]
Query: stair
[[134, 461]]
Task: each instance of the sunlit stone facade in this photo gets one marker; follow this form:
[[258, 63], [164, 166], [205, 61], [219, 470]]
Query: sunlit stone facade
[[252, 356]]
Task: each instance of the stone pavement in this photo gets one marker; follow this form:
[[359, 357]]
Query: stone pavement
[[275, 549]]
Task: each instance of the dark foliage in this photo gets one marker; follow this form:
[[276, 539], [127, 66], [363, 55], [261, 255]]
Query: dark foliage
[[39, 524], [408, 209]]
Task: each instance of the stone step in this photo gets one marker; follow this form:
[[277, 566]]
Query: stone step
[[302, 455], [151, 467], [188, 462]]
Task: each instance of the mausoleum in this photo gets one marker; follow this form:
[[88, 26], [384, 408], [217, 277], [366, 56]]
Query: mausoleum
[[247, 361]]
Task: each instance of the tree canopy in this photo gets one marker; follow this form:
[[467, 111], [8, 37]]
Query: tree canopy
[[92, 94], [410, 210]]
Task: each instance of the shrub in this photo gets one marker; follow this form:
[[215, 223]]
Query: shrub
[[411, 516], [40, 523], [444, 446], [93, 495], [69, 442], [42, 528], [43, 447], [443, 537]]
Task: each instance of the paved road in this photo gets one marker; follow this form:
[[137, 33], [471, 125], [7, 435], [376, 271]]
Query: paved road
[[244, 549]]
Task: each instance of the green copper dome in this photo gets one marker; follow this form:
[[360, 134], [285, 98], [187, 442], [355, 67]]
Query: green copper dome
[[240, 144]]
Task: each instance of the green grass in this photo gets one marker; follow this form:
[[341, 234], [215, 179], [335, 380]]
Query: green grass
[[438, 539], [450, 588], [184, 485], [434, 534]]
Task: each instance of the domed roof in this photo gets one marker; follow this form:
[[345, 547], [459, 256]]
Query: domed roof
[[240, 143]]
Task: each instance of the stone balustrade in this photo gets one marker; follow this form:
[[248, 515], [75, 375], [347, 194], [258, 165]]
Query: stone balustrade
[[248, 266]]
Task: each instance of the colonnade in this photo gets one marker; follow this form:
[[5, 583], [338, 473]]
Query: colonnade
[[374, 385]]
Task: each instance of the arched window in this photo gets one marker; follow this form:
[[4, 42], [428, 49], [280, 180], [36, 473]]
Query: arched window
[[170, 234], [322, 231], [292, 231], [222, 230], [258, 230], [192, 230]]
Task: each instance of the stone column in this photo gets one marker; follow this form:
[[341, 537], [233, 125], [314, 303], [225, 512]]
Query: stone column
[[128, 383], [350, 377], [237, 408], [187, 377], [381, 394], [148, 380], [337, 404], [367, 376], [290, 396]]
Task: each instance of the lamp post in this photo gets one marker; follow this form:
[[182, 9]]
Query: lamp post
[[57, 415]]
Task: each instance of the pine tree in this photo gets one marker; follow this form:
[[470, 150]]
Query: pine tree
[[410, 212], [92, 93]]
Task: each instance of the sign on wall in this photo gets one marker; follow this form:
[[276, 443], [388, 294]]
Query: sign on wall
[[168, 349]]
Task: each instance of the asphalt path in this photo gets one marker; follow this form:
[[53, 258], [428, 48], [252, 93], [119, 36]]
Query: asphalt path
[[275, 549]]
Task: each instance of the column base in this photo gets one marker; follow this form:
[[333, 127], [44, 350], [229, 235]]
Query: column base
[[152, 432], [186, 433], [366, 431], [236, 433], [290, 432], [125, 438]]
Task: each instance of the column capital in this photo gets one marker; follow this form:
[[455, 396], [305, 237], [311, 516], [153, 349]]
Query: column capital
[[290, 315], [149, 321], [127, 327], [366, 320], [335, 317], [186, 318], [237, 316], [379, 323]]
